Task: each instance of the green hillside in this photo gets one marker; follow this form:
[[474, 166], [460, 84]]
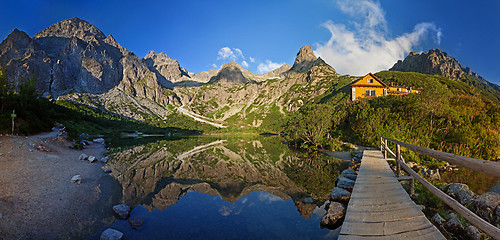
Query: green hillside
[[448, 115]]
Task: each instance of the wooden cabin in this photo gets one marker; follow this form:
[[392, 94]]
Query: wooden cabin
[[368, 86], [371, 86]]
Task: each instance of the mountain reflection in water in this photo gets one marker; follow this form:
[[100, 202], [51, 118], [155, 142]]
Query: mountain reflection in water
[[232, 187]]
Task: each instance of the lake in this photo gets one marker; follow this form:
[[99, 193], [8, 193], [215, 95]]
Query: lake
[[226, 187]]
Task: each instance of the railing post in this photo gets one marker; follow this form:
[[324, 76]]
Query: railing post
[[385, 150], [412, 186], [398, 158]]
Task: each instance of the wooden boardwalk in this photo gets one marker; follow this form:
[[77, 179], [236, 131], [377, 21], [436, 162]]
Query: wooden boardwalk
[[380, 208]]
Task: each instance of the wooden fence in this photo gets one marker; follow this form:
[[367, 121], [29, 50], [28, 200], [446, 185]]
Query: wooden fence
[[488, 167]]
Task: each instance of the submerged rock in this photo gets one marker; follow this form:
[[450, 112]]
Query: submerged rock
[[135, 222], [107, 170], [335, 212], [76, 179], [83, 156], [111, 234], [104, 159], [122, 210], [92, 159]]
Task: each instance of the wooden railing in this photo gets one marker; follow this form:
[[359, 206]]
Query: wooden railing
[[488, 167]]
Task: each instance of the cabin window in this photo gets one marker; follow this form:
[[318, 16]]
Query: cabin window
[[370, 92], [369, 80]]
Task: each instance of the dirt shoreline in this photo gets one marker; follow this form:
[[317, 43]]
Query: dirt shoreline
[[38, 200]]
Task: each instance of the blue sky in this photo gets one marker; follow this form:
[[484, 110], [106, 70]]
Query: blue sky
[[354, 37]]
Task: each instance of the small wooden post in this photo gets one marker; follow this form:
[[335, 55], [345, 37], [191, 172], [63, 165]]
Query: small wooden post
[[398, 158], [385, 152], [13, 116], [412, 186]]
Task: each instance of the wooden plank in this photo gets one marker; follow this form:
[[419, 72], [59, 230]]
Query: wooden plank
[[381, 208], [384, 216], [424, 234], [385, 228]]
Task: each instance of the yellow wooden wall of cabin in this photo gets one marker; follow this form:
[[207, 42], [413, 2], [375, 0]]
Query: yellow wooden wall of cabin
[[360, 91], [364, 81]]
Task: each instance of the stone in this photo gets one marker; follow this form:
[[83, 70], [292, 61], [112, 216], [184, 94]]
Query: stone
[[351, 176], [135, 222], [421, 207], [473, 233], [107, 170], [451, 215], [485, 206], [454, 226], [437, 219], [411, 164], [111, 234], [92, 159], [104, 159], [98, 140], [76, 179], [335, 212], [122, 210], [83, 156], [465, 196], [343, 182], [433, 174], [347, 172], [308, 200], [340, 194]]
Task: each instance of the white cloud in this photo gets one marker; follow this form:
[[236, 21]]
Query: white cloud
[[244, 64], [268, 198], [228, 53], [268, 66], [238, 53], [251, 59], [365, 48], [214, 65]]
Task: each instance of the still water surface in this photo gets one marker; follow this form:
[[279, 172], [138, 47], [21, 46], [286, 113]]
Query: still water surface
[[249, 187]]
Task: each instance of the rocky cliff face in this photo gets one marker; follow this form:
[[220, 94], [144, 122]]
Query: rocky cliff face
[[22, 57], [167, 70], [433, 62], [75, 56]]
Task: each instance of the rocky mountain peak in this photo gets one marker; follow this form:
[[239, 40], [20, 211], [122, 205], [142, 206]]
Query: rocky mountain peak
[[167, 69], [16, 39], [157, 56], [231, 73], [73, 27], [305, 53], [434, 61], [305, 59]]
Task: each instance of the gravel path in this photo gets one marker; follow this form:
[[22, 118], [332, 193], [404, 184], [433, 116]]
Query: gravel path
[[38, 199]]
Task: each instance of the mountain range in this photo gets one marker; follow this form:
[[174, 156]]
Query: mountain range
[[73, 60]]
